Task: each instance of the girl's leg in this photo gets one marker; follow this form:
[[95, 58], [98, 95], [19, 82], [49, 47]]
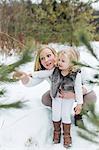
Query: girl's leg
[[46, 99], [67, 106], [56, 117], [56, 109]]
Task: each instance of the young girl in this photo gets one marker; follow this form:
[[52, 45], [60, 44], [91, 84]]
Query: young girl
[[45, 61], [67, 77]]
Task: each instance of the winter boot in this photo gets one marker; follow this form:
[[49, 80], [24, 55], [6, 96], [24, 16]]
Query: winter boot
[[66, 135], [78, 120], [57, 132]]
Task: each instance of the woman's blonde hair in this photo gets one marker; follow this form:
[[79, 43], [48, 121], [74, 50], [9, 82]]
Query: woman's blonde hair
[[38, 66], [73, 56]]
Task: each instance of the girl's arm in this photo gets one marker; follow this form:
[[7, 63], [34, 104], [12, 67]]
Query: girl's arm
[[85, 74], [78, 89], [78, 93]]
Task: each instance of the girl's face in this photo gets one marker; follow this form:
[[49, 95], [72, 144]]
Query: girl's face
[[63, 62], [47, 59]]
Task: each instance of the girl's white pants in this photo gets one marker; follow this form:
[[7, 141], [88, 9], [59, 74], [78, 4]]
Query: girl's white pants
[[62, 109]]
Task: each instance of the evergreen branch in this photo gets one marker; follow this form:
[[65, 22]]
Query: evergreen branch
[[96, 76], [95, 1], [2, 92], [6, 69], [7, 79], [87, 44], [83, 65], [93, 117], [86, 132], [91, 139], [17, 104], [93, 82], [26, 57]]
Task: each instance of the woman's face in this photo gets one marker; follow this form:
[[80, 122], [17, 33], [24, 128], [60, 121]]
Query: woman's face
[[47, 59]]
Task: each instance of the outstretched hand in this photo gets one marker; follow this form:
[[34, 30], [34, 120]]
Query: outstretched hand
[[19, 75], [24, 77]]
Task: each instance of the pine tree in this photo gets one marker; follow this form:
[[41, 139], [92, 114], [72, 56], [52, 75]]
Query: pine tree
[[62, 21], [90, 129]]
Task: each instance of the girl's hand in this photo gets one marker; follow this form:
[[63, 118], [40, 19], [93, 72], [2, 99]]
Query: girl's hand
[[78, 109], [67, 95]]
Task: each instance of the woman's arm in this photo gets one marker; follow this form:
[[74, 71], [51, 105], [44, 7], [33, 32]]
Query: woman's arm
[[37, 78], [67, 95], [43, 73], [30, 81], [27, 79]]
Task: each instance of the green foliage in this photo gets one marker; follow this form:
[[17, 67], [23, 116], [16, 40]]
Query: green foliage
[[62, 21], [90, 129], [58, 21], [2, 92], [17, 104], [5, 70], [84, 40], [5, 76], [87, 44]]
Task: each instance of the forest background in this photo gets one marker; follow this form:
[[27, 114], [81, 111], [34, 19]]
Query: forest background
[[51, 21]]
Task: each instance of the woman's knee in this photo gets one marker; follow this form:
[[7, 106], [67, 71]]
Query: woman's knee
[[89, 99], [46, 99]]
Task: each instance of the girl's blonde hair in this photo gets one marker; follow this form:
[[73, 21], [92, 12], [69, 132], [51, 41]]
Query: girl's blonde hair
[[73, 56], [38, 66]]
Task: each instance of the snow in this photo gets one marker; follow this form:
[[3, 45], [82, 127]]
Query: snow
[[30, 128]]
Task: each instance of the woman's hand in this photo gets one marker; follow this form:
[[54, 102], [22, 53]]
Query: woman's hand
[[67, 95], [18, 74], [78, 109], [21, 76]]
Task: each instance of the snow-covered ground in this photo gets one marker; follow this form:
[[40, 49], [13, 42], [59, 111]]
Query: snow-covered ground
[[30, 128]]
